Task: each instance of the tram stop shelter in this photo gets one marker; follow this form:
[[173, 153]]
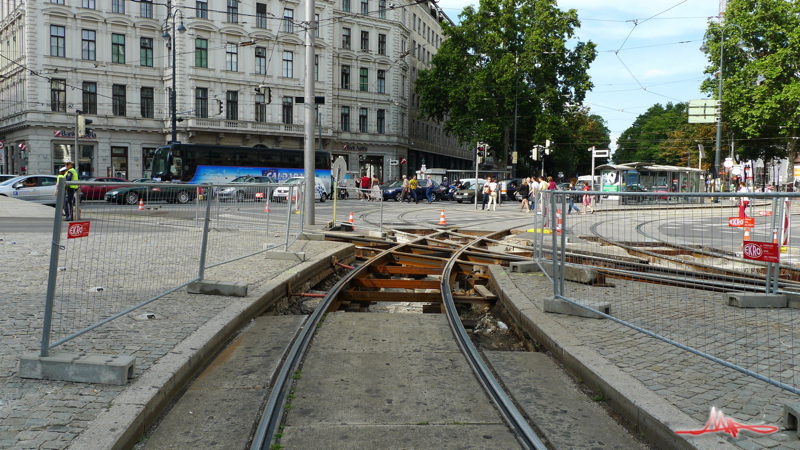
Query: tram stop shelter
[[648, 177]]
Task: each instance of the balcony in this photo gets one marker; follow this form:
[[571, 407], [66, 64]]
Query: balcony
[[223, 125]]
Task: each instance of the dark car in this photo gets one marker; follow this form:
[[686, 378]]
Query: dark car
[[178, 193], [512, 185], [99, 192], [394, 190], [628, 199], [244, 192]]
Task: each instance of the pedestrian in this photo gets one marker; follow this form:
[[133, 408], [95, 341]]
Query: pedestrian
[[523, 192], [404, 193], [365, 187], [358, 189], [551, 185], [533, 188], [543, 188], [587, 199], [429, 189], [572, 199], [744, 202], [492, 195], [413, 188], [69, 200], [485, 192], [376, 189]]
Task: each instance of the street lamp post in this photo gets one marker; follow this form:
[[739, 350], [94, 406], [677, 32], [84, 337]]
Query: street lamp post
[[173, 95], [516, 95], [704, 49]]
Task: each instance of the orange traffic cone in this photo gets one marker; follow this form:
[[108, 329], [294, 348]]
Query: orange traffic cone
[[775, 236], [441, 219], [351, 222], [141, 204], [266, 208], [558, 217], [746, 236]]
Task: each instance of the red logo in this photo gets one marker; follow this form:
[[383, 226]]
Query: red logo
[[717, 422], [402, 160], [78, 230], [57, 133], [765, 213], [762, 251], [748, 222]]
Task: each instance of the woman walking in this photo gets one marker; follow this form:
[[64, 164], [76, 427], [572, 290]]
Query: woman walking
[[523, 192], [587, 199], [551, 185], [376, 189], [492, 206], [572, 199]]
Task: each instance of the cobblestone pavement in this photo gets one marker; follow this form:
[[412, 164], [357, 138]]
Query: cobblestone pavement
[[37, 414], [691, 383]]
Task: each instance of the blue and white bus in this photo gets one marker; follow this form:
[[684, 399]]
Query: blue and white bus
[[216, 164]]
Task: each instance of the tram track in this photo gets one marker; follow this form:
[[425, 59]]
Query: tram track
[[457, 260]]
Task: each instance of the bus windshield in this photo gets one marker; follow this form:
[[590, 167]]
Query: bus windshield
[[161, 162]]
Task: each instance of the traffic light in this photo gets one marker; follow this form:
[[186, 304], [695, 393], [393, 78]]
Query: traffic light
[[547, 149], [219, 107], [82, 122], [480, 151], [267, 91], [535, 153]]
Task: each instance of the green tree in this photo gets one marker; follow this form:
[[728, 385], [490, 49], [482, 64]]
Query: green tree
[[506, 51], [582, 131], [644, 140], [761, 87]]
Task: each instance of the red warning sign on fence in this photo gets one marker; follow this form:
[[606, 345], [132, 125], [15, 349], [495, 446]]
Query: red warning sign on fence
[[765, 213], [762, 251], [748, 222], [78, 230]]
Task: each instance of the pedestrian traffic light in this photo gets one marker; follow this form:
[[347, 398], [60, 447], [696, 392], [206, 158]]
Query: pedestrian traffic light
[[219, 107]]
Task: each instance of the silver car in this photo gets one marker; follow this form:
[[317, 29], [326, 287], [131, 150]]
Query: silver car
[[33, 188], [243, 188]]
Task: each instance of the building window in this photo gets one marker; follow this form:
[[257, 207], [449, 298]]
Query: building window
[[147, 8], [232, 58], [364, 7], [382, 9], [363, 80], [381, 44], [381, 125], [57, 42], [345, 77], [316, 25], [89, 45], [148, 108], [345, 118], [288, 65], [201, 10], [317, 118], [382, 81], [365, 40], [201, 52], [414, 22], [146, 57], [58, 95], [118, 100], [287, 110], [89, 97], [403, 87], [261, 60], [118, 49], [346, 5], [117, 6], [261, 108], [201, 102], [413, 48], [362, 120], [288, 21], [232, 105], [316, 67], [261, 15], [89, 4], [346, 38], [233, 11]]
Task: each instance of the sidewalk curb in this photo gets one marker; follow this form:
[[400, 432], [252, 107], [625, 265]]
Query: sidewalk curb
[[136, 408], [653, 415]]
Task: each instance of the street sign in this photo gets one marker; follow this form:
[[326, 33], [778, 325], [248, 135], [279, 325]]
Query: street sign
[[78, 230], [338, 168], [728, 164], [601, 153], [514, 157], [703, 111], [394, 162], [762, 251], [765, 213], [402, 160], [2, 145], [748, 222]]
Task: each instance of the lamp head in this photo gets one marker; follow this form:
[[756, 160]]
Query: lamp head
[[703, 48], [741, 44], [181, 28], [165, 35]]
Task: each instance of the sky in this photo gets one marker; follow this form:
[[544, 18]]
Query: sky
[[647, 53]]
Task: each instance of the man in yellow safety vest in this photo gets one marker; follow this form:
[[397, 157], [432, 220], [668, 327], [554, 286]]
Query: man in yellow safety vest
[[69, 201]]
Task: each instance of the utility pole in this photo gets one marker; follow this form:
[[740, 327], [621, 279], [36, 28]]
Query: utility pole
[[308, 149]]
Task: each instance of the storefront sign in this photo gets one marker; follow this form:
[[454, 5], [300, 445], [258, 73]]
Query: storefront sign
[[762, 251], [354, 148], [71, 134]]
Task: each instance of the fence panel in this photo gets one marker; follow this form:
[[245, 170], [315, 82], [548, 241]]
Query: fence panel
[[667, 263]]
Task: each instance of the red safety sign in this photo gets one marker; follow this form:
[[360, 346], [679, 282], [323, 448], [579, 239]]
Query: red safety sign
[[747, 222], [78, 230], [765, 213], [762, 251]]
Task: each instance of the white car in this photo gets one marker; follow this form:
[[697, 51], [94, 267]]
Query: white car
[[33, 188], [281, 193]]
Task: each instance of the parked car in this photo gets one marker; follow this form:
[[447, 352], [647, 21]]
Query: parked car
[[467, 192], [394, 190], [177, 193], [33, 188], [280, 194], [511, 186], [244, 192], [628, 199], [99, 192], [7, 177], [141, 180]]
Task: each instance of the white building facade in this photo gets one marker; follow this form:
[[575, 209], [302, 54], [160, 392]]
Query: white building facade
[[112, 60]]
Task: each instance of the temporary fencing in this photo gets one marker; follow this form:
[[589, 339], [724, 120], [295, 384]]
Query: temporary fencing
[[117, 256], [679, 267], [366, 205]]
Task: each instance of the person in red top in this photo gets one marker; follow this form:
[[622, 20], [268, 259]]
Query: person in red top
[[365, 185]]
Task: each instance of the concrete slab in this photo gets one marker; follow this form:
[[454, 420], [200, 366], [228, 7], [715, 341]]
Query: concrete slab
[[559, 306], [226, 397], [390, 437], [575, 272], [791, 413], [524, 267], [87, 368], [226, 288], [288, 256], [567, 417], [754, 300]]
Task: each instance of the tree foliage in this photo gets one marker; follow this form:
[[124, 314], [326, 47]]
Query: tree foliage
[[643, 140], [471, 85]]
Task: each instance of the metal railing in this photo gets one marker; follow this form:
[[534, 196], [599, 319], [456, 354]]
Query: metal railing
[[364, 205], [147, 240], [685, 269]]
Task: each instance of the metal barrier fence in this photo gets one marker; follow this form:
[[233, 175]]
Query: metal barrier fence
[[147, 240], [363, 204], [686, 270]]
